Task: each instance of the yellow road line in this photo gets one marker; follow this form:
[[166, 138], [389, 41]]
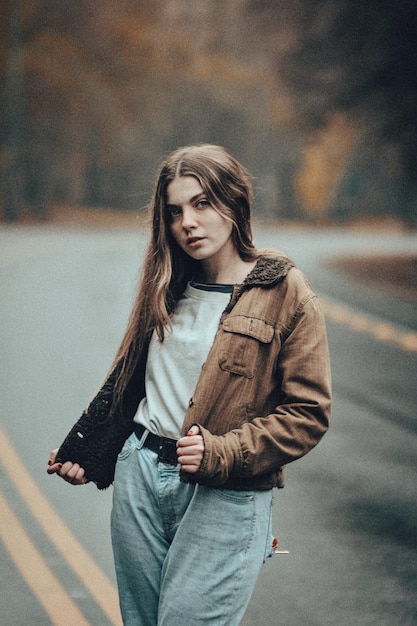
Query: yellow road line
[[43, 583], [97, 583], [362, 323]]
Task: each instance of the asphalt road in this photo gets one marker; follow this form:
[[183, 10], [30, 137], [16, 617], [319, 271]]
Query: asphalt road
[[348, 514]]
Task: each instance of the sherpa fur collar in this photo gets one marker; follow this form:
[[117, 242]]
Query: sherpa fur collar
[[268, 270]]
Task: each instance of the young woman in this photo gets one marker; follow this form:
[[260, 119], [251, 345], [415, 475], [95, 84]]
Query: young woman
[[222, 378]]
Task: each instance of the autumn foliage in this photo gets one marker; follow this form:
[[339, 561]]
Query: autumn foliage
[[318, 99]]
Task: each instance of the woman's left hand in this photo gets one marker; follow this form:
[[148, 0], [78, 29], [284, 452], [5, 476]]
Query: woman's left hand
[[190, 450]]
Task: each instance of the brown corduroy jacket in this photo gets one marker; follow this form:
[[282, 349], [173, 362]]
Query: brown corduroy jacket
[[263, 397]]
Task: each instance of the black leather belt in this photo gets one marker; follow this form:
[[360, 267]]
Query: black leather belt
[[165, 448]]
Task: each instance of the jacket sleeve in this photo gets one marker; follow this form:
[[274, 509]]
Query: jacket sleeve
[[297, 423], [98, 436], [95, 444]]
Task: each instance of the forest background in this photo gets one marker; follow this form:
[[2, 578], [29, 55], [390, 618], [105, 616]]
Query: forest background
[[318, 98]]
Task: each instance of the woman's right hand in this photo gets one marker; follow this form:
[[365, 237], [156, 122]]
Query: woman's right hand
[[70, 472]]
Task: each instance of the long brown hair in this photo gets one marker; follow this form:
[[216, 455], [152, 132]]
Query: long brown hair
[[167, 269]]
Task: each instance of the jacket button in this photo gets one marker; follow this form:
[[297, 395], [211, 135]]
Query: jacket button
[[190, 402]]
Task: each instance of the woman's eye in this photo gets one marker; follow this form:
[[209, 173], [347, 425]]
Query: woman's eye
[[174, 211], [202, 204]]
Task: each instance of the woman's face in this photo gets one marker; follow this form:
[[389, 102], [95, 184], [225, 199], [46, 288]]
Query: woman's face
[[196, 226]]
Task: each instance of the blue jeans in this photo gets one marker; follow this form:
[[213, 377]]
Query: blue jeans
[[184, 554]]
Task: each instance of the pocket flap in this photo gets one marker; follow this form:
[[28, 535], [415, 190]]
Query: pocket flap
[[249, 326]]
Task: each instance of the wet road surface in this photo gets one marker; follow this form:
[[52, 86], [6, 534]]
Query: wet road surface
[[348, 512]]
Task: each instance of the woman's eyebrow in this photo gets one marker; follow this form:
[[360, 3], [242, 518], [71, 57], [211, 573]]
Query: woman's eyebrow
[[191, 200]]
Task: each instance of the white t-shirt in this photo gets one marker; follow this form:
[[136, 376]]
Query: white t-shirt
[[174, 365]]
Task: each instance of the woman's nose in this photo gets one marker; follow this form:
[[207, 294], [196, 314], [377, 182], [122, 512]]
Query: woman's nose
[[188, 218]]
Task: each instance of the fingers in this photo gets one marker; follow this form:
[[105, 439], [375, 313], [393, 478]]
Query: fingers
[[70, 472], [52, 457], [190, 450], [52, 466], [191, 468]]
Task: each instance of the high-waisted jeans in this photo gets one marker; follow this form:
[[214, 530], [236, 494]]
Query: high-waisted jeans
[[185, 555]]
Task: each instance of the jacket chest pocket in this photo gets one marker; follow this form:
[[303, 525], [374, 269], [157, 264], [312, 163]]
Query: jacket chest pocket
[[244, 343]]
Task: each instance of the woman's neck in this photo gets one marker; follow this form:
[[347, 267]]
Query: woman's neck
[[234, 273]]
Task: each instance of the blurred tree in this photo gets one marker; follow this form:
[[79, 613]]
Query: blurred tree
[[13, 177], [325, 161], [360, 58], [308, 94]]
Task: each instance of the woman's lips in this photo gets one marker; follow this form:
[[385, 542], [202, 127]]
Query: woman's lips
[[194, 241]]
